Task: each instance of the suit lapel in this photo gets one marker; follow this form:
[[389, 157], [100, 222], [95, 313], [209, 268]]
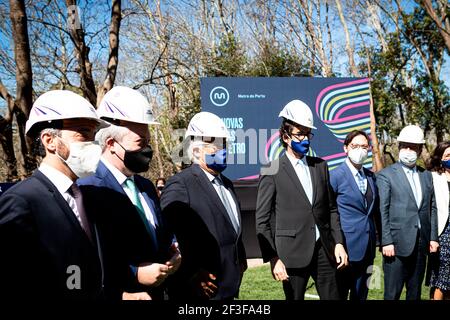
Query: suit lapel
[[423, 184], [237, 206], [61, 202], [369, 176], [289, 170], [403, 180], [108, 178], [208, 188], [353, 184], [150, 202]]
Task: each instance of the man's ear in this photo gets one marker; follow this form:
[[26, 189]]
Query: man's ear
[[49, 142], [110, 145], [286, 138], [196, 152]]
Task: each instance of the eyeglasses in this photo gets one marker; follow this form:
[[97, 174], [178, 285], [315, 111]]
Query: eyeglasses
[[356, 146], [160, 187], [300, 136]]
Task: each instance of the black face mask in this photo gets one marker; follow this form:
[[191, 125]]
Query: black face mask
[[139, 160]]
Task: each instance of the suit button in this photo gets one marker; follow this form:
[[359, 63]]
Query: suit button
[[235, 262]]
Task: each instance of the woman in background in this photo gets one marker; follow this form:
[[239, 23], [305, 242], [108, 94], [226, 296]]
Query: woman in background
[[440, 271]]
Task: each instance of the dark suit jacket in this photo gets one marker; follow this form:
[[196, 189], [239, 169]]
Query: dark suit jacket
[[285, 218], [399, 211], [204, 231], [140, 242], [40, 238], [357, 220]]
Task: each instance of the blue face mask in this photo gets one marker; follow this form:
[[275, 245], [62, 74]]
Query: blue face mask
[[301, 147], [446, 164], [217, 161]]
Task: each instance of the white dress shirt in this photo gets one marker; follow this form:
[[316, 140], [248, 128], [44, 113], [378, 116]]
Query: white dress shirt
[[415, 175], [63, 184], [120, 177], [304, 175], [355, 171], [227, 193]]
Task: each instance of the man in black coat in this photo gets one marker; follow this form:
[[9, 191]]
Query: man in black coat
[[297, 222], [203, 211], [48, 243]]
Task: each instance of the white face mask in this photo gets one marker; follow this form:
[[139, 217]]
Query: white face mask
[[407, 157], [357, 156], [83, 158]]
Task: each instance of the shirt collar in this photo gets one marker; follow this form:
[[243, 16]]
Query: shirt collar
[[120, 177], [294, 161], [59, 179], [353, 169], [408, 169], [210, 176]]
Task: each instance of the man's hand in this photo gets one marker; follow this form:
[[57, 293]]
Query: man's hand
[[278, 269], [174, 263], [341, 256], [152, 274], [136, 296], [389, 251], [434, 246], [203, 284]]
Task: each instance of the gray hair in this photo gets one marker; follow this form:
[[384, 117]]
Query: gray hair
[[39, 146], [113, 131], [192, 145]]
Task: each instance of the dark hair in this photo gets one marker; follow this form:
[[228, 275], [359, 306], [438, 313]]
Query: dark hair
[[160, 179], [354, 134], [286, 129], [435, 164]]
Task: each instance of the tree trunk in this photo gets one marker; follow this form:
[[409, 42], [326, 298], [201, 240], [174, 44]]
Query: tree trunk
[[442, 21], [6, 136], [85, 66], [348, 42], [113, 61], [24, 76]]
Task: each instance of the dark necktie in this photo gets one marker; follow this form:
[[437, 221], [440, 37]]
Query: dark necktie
[[76, 194]]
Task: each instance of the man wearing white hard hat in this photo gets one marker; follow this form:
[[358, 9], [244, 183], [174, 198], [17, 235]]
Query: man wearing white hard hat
[[201, 207], [48, 242], [125, 153], [297, 222], [408, 218]]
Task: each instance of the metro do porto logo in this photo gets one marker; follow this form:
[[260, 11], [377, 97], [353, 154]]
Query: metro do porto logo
[[219, 96]]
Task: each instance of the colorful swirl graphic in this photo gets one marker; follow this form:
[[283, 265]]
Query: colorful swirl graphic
[[337, 107]]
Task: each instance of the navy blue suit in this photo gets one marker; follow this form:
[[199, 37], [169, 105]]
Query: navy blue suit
[[357, 217], [41, 241], [142, 239]]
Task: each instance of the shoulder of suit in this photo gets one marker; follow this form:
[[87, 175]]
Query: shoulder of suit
[[30, 189], [91, 180], [389, 169]]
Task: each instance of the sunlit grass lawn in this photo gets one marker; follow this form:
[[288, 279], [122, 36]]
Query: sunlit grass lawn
[[258, 284]]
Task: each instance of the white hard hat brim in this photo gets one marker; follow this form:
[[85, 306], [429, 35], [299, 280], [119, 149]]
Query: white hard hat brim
[[112, 120]]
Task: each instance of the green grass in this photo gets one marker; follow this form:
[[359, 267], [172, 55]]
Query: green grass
[[258, 284]]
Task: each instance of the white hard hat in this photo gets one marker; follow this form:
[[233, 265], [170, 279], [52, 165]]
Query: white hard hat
[[123, 103], [58, 105], [411, 134], [298, 112], [207, 124]]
